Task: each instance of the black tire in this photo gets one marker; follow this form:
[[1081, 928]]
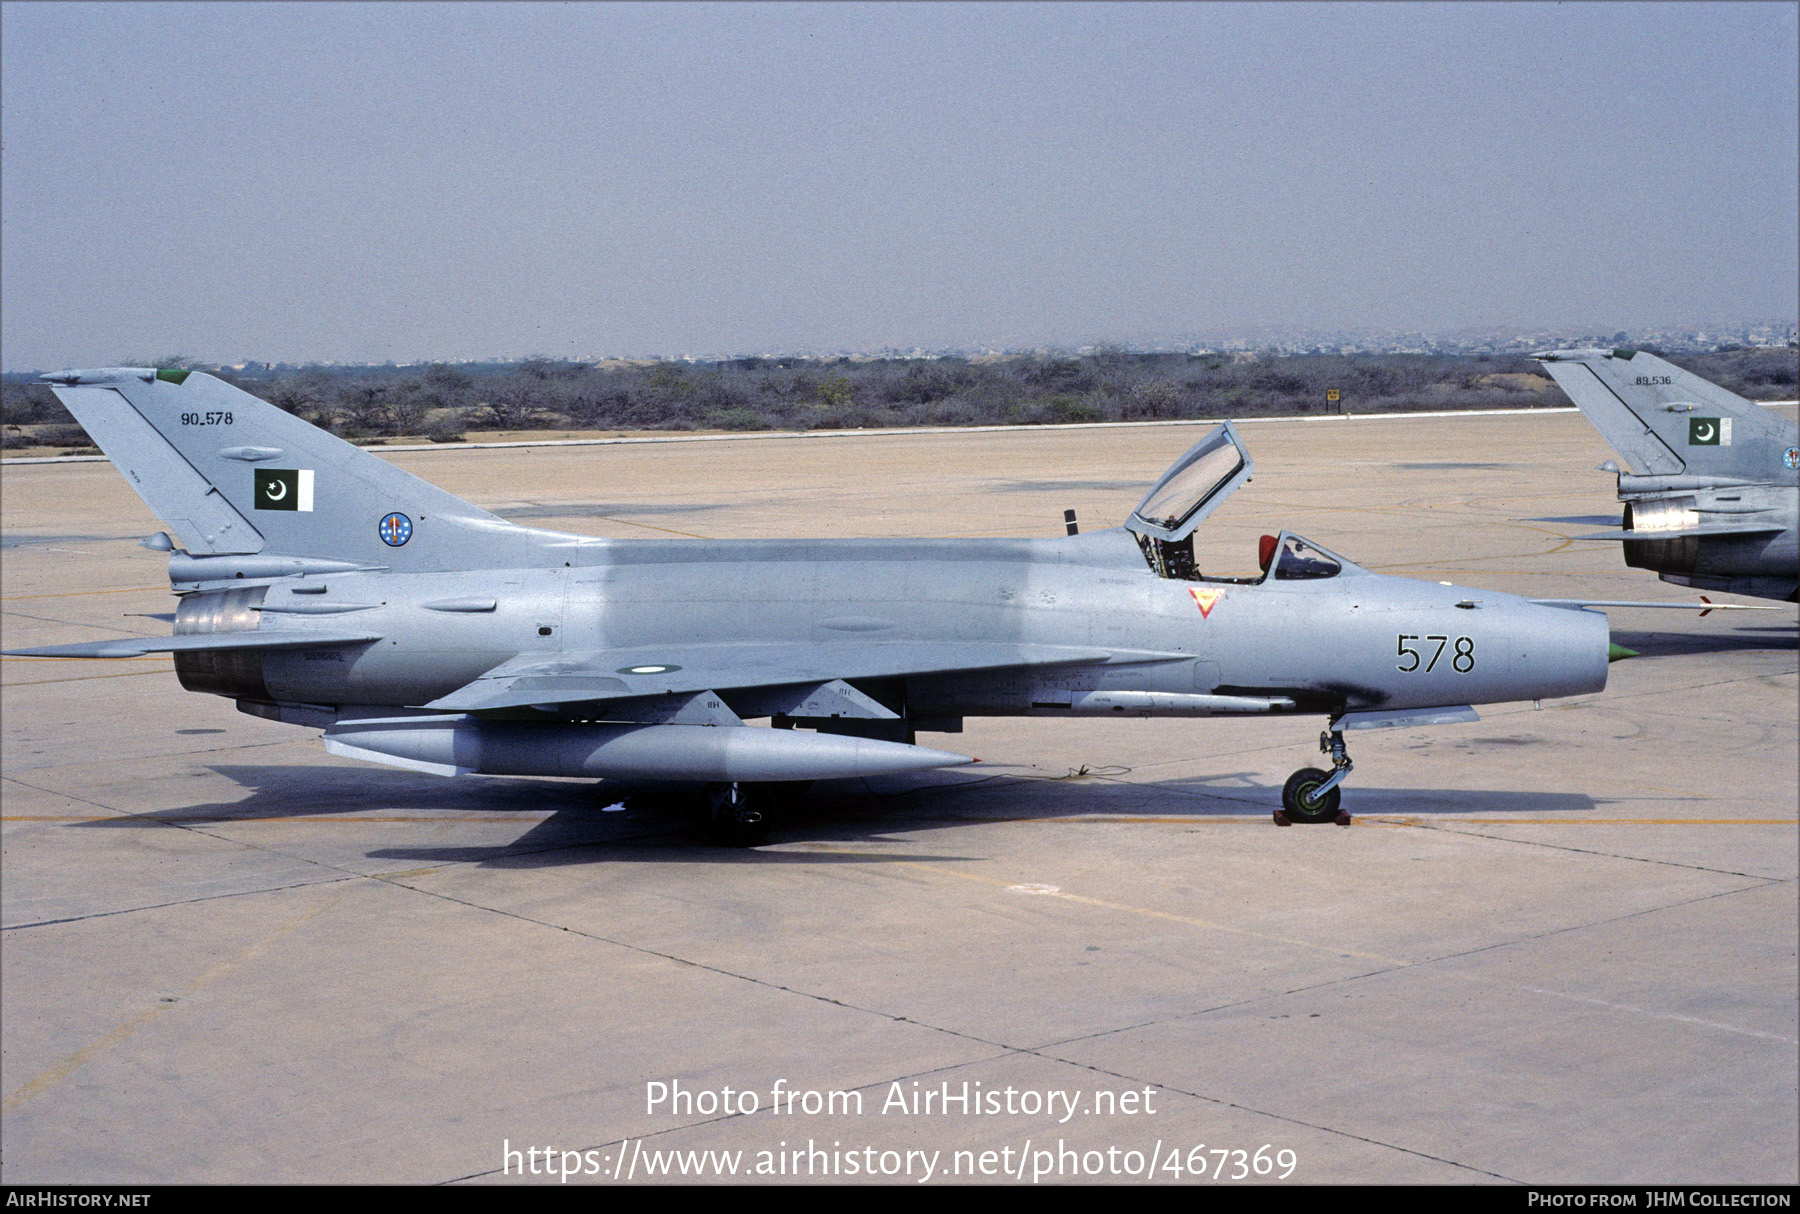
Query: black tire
[[737, 814], [1298, 799]]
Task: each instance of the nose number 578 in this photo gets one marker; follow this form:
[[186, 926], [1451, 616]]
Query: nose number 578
[[1462, 658]]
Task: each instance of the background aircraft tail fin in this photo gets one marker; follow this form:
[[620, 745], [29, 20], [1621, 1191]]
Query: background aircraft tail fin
[[232, 474], [1667, 421]]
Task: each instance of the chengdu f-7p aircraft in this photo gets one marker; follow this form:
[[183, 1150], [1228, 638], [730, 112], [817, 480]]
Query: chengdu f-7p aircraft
[[321, 586], [1712, 498]]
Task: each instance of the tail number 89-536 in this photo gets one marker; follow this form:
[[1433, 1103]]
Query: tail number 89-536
[[1462, 657]]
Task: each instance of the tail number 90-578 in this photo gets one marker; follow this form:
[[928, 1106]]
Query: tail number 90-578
[[1462, 657]]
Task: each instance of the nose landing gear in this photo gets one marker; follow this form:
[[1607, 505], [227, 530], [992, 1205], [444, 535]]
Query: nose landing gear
[[1311, 795]]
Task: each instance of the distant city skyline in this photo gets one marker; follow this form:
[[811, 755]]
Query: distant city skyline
[[447, 182], [1497, 341], [1268, 339]]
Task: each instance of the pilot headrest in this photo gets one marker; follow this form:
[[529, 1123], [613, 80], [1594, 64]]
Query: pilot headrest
[[1265, 551]]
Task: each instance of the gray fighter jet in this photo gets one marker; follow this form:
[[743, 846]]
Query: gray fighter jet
[[323, 587], [1712, 498]]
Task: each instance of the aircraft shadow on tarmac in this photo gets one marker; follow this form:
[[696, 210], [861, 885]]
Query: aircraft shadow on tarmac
[[664, 823], [16, 540], [1579, 520], [1066, 487]]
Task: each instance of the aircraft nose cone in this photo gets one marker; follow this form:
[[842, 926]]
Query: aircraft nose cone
[[1564, 651]]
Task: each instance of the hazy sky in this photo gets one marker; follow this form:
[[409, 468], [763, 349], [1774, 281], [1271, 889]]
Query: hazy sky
[[364, 183]]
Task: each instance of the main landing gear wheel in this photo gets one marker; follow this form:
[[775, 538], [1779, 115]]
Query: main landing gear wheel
[[738, 816], [1301, 800]]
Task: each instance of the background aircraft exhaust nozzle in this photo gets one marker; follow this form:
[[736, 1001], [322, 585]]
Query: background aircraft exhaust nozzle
[[642, 752]]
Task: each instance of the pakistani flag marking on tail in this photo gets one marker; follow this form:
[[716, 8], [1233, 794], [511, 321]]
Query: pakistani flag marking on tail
[[284, 489], [1709, 432]]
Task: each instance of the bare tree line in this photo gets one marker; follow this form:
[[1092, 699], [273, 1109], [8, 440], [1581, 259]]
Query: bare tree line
[[445, 402]]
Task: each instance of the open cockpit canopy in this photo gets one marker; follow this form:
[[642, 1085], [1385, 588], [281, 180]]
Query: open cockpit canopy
[[1193, 487]]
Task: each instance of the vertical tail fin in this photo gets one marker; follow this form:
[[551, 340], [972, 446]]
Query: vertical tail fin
[[1667, 421], [232, 474]]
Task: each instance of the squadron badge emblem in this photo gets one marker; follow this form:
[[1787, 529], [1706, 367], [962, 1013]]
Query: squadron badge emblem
[[394, 530]]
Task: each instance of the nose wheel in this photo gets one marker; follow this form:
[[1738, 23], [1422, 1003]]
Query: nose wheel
[[1311, 795]]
